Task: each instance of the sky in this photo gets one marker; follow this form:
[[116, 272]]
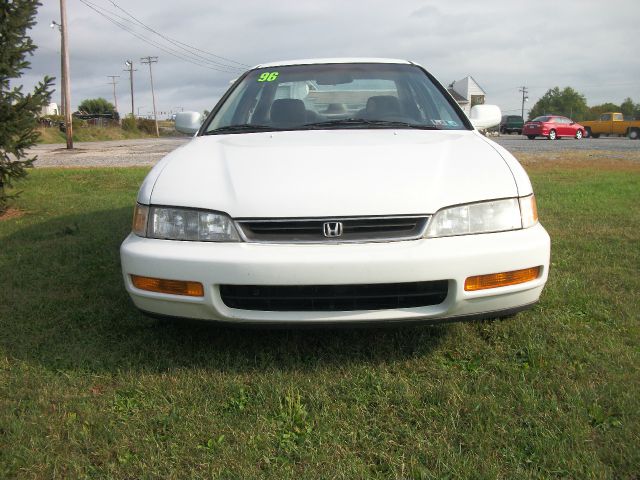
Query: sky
[[589, 45]]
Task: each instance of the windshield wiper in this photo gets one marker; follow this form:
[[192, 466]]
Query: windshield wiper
[[361, 122], [245, 127]]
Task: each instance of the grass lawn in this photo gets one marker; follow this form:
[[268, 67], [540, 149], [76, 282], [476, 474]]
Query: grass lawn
[[89, 388]]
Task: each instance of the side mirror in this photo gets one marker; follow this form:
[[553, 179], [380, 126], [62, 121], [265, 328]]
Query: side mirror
[[485, 116], [188, 122]]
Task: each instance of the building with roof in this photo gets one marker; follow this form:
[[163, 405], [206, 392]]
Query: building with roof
[[467, 93]]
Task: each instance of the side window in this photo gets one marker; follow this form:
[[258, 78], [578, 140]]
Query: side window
[[617, 117], [605, 117]]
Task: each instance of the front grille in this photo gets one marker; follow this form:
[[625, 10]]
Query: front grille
[[361, 229], [326, 298]]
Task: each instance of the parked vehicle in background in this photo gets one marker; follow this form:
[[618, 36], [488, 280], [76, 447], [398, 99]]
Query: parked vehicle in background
[[511, 123], [552, 127], [612, 123]]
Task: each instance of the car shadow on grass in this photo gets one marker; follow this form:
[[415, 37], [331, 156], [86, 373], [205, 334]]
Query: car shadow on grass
[[63, 305]]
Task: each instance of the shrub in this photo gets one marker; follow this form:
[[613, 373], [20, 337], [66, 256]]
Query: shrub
[[147, 126], [129, 124]]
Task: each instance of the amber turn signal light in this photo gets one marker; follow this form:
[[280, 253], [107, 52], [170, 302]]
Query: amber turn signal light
[[174, 287], [493, 280]]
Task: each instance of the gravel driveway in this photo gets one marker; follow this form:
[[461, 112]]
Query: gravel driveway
[[125, 153], [112, 153]]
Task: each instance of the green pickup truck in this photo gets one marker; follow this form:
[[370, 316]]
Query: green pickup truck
[[511, 123], [612, 123]]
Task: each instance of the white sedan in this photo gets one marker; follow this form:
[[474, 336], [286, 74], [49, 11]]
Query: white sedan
[[336, 191]]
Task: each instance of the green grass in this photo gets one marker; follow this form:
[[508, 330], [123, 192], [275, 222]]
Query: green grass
[[95, 134], [89, 388]]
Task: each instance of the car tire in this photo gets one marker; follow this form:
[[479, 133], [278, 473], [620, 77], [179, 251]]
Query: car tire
[[519, 132], [634, 133], [578, 134], [587, 132], [502, 130], [552, 135], [531, 137], [595, 135]]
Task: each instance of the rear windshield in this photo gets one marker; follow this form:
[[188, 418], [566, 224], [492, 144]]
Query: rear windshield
[[332, 96], [541, 119], [512, 118]]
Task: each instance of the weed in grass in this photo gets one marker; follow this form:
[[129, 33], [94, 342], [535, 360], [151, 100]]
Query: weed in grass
[[294, 425]]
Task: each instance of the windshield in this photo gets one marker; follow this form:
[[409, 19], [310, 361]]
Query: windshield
[[328, 96]]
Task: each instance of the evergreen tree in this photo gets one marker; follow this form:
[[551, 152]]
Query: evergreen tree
[[18, 111]]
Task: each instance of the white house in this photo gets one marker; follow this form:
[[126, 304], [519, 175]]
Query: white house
[[467, 93], [51, 109]]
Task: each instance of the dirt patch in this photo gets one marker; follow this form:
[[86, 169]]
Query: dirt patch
[[595, 160], [11, 213]]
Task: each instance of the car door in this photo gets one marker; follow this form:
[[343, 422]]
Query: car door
[[617, 124], [605, 123], [569, 127], [558, 126]]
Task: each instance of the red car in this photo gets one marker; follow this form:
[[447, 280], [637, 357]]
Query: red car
[[552, 127]]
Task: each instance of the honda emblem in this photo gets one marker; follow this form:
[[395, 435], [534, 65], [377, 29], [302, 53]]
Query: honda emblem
[[332, 229]]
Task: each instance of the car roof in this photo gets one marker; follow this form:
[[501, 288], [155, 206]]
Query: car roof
[[319, 61]]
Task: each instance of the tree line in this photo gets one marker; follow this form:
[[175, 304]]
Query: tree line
[[570, 103]]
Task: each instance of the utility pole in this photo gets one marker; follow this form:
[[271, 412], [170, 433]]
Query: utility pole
[[524, 91], [65, 74], [149, 61], [114, 83], [55, 24], [130, 69]]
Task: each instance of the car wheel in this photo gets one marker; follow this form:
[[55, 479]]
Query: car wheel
[[552, 135], [519, 132], [531, 137], [502, 130], [587, 132], [633, 134], [578, 134], [595, 135]]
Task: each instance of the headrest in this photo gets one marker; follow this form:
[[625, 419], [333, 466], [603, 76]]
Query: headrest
[[336, 108], [383, 104], [288, 110]]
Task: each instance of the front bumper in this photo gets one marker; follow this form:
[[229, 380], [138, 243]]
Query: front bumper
[[452, 259]]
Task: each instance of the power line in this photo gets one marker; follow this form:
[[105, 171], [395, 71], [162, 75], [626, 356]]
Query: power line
[[152, 43], [192, 55], [176, 42], [147, 40]]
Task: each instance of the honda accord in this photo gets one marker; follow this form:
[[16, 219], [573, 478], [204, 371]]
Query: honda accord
[[336, 191]]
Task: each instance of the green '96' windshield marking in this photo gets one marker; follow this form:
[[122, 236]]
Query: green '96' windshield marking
[[268, 76]]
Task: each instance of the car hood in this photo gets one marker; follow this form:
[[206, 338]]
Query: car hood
[[330, 173]]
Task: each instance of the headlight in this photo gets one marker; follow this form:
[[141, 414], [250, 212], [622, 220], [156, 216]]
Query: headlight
[[484, 217], [529, 211], [183, 224], [140, 217]]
